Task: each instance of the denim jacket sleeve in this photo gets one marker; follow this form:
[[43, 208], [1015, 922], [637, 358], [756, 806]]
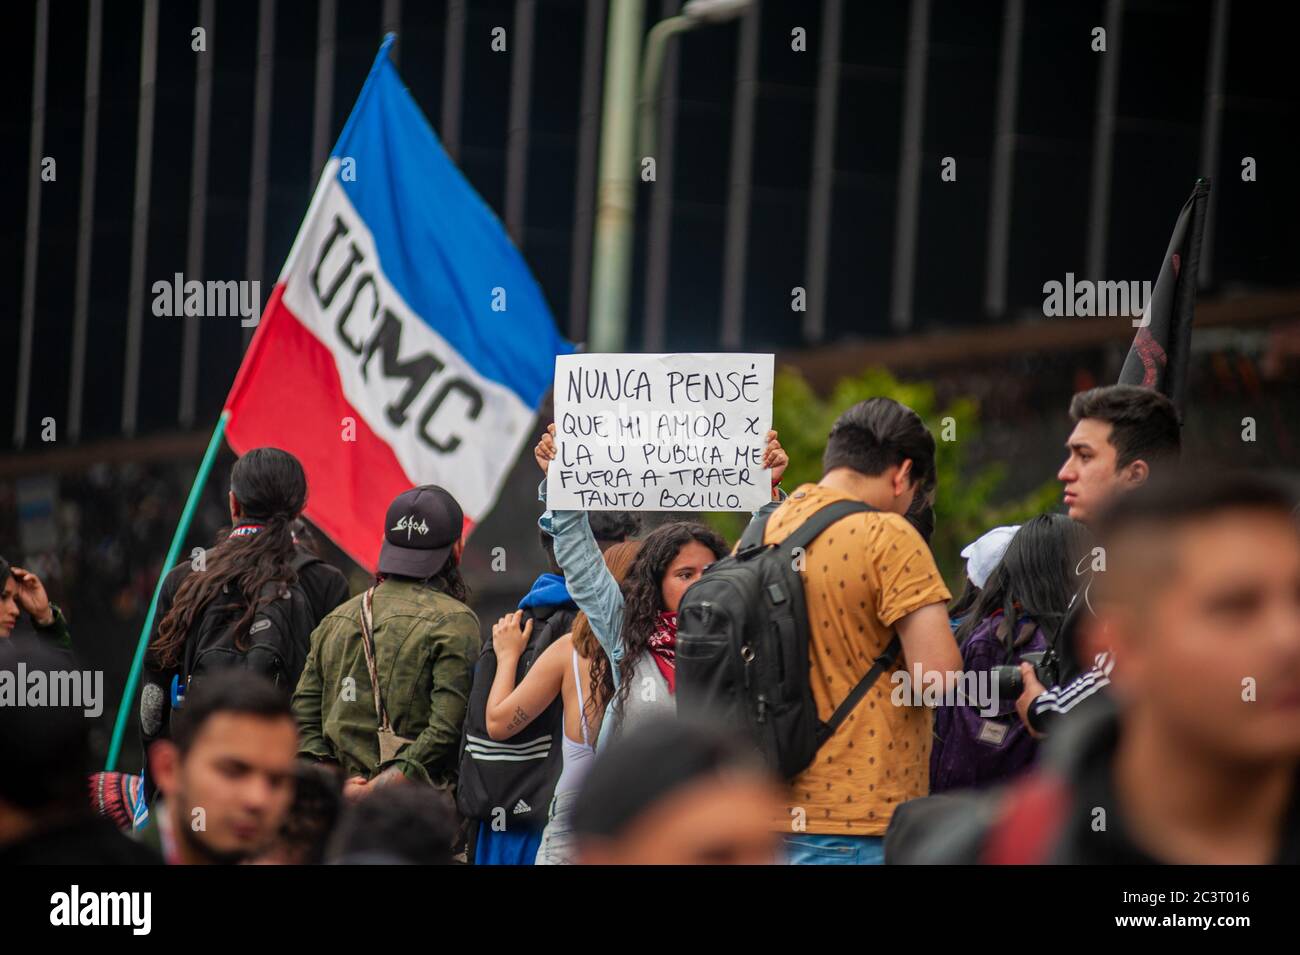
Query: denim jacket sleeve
[[763, 513], [591, 585]]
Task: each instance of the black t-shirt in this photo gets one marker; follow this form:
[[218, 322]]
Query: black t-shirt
[[1115, 844]]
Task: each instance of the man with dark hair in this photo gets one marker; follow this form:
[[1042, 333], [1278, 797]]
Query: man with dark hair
[[1197, 758], [877, 434], [226, 775], [45, 816], [1122, 435], [867, 577], [676, 792]]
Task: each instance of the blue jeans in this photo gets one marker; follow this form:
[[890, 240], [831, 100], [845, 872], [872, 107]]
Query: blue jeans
[[807, 848]]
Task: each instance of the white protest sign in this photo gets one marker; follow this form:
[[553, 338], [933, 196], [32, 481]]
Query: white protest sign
[[661, 432]]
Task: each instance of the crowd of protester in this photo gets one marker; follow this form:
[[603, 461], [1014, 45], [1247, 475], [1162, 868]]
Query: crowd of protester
[[1118, 683]]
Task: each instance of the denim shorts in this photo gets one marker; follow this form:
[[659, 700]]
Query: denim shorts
[[557, 837]]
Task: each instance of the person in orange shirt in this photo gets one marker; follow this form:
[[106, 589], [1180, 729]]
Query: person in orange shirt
[[869, 575]]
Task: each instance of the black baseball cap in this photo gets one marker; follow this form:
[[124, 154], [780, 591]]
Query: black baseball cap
[[422, 526]]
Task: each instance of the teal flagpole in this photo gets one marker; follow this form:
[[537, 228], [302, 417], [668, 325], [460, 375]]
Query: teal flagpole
[[173, 554]]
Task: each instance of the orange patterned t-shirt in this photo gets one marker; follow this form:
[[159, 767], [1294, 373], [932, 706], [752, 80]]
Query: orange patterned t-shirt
[[861, 576]]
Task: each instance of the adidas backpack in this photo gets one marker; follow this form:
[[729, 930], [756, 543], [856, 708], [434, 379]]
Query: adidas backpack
[[742, 646], [517, 774]]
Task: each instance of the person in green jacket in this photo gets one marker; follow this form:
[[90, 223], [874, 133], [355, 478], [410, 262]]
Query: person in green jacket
[[21, 590], [425, 641]]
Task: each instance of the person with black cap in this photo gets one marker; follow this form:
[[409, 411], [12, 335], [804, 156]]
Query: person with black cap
[[384, 691]]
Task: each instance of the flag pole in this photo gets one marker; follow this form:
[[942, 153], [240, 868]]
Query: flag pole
[[173, 554]]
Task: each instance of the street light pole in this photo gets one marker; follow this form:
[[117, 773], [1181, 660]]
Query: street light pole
[[652, 67], [616, 185], [616, 191], [695, 14]]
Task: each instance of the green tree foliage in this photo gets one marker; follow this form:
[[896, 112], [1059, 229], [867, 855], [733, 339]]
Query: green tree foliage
[[964, 506]]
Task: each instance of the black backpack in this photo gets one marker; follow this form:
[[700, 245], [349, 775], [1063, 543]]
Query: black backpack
[[278, 638], [742, 646], [518, 774]]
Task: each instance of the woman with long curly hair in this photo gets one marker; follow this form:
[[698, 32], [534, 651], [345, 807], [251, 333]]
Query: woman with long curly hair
[[575, 668], [637, 623]]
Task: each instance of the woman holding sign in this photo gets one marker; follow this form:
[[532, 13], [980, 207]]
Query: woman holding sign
[[637, 623]]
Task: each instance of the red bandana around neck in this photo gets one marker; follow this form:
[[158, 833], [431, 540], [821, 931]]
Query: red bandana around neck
[[663, 644]]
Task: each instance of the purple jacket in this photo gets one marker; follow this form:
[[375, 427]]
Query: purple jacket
[[974, 751]]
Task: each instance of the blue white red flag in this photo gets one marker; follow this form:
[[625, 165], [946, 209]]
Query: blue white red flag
[[405, 342]]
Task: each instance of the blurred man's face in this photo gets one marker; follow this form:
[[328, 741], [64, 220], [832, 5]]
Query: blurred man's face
[[720, 821], [239, 772], [1214, 654], [1089, 473], [8, 606]]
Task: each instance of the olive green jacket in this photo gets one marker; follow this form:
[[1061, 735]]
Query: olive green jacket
[[425, 647]]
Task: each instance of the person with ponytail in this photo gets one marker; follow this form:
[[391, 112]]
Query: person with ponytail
[[224, 589]]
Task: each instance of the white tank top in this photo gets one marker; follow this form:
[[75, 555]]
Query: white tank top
[[577, 756]]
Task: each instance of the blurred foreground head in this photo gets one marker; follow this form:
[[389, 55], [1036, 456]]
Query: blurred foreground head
[[227, 773], [398, 825], [315, 811], [675, 791], [44, 750], [1200, 599]]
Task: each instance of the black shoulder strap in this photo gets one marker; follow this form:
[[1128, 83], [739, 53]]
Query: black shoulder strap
[[804, 536], [753, 536], [879, 666], [810, 529]]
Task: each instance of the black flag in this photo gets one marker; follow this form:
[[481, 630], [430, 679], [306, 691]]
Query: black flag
[[1159, 355]]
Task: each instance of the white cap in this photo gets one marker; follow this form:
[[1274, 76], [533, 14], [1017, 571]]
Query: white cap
[[986, 552]]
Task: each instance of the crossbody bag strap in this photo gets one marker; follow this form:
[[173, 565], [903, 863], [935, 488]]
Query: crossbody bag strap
[[368, 644]]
